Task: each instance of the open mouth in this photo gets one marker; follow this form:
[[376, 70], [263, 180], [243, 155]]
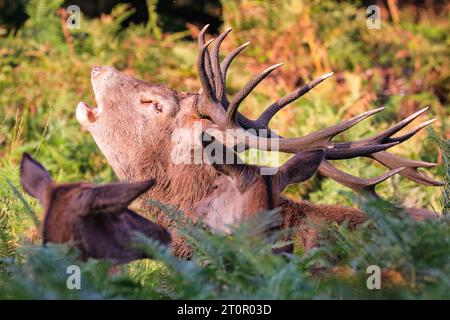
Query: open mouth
[[86, 114]]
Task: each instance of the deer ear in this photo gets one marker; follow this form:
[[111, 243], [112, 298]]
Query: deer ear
[[227, 162], [34, 178], [300, 168], [115, 197], [222, 158]]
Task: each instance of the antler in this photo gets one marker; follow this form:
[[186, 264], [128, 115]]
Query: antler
[[360, 185], [214, 104]]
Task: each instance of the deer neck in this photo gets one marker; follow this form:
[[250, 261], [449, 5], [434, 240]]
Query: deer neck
[[178, 185]]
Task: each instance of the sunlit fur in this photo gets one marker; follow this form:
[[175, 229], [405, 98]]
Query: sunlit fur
[[136, 140]]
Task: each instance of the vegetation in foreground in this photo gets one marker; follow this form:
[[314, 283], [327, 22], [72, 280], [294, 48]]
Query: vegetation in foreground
[[44, 72]]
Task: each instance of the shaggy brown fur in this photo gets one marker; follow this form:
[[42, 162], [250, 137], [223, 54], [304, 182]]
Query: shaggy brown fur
[[134, 125], [307, 218], [94, 218]]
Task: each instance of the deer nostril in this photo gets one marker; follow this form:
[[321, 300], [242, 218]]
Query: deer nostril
[[96, 70]]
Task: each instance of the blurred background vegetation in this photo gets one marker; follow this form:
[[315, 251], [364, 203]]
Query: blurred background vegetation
[[404, 66]]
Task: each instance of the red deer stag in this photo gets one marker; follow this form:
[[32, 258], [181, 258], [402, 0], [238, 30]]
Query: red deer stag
[[94, 218], [135, 121]]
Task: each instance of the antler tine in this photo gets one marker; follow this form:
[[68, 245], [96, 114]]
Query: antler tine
[[394, 129], [412, 132], [385, 137], [228, 59], [353, 152], [244, 92], [215, 61], [360, 185], [365, 147], [207, 87], [269, 113], [392, 161], [206, 58]]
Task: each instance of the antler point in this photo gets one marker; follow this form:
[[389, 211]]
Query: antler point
[[204, 29], [327, 75]]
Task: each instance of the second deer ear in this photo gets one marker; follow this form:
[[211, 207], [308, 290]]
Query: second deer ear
[[300, 168], [115, 197], [222, 158], [227, 162], [34, 178]]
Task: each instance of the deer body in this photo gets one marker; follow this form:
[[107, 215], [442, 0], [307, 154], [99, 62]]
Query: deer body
[[135, 121]]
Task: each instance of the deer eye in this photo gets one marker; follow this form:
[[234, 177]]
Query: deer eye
[[154, 103], [157, 106]]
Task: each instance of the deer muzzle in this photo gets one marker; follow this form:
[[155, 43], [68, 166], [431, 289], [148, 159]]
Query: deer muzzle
[[86, 114]]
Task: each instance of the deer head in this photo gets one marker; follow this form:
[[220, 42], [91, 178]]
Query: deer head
[[134, 123], [94, 218], [132, 119]]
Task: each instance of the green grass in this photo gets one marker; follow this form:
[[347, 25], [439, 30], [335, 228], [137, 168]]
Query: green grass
[[413, 256], [44, 73]]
